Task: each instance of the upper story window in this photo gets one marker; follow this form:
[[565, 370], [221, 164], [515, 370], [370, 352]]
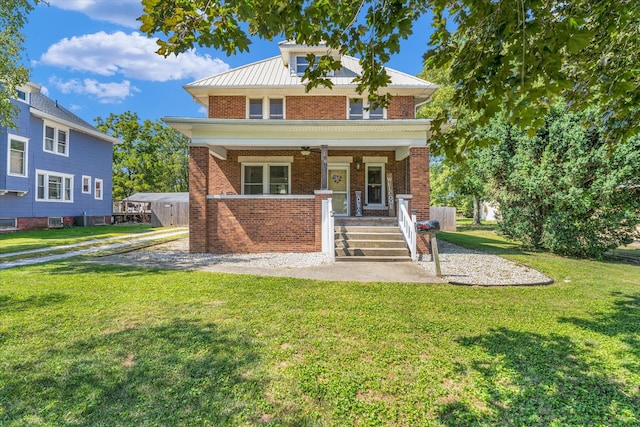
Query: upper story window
[[360, 109], [266, 108], [17, 157], [22, 96], [56, 140], [356, 109], [301, 64], [255, 108], [54, 186]]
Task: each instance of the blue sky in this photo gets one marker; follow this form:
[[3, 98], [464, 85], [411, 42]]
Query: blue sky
[[90, 56]]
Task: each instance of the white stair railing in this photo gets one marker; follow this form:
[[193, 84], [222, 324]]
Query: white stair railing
[[328, 230], [407, 225]]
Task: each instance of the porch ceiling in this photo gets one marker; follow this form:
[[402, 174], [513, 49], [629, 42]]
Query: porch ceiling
[[230, 134]]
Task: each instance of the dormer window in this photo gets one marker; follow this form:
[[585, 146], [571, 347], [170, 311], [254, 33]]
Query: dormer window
[[302, 64]]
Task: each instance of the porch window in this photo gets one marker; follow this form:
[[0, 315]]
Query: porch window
[[266, 179], [375, 185]]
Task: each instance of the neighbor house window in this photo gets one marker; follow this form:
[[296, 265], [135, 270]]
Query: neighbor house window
[[17, 155], [361, 109], [56, 140], [266, 179], [86, 184], [375, 185], [21, 95], [54, 186], [97, 193]]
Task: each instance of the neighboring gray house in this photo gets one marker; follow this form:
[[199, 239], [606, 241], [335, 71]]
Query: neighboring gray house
[[54, 166]]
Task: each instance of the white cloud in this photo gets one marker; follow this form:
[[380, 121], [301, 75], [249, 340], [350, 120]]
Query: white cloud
[[106, 93], [121, 12], [131, 55]]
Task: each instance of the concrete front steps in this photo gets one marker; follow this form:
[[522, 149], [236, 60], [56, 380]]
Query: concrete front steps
[[369, 240]]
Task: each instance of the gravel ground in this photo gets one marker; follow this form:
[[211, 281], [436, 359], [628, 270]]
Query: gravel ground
[[468, 267], [458, 265]]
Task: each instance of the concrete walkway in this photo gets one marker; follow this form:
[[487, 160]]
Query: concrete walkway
[[131, 239]]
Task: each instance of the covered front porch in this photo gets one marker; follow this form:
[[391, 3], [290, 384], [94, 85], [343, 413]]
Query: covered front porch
[[258, 186]]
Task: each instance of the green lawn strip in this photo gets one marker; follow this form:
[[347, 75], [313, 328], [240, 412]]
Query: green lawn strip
[[89, 344], [130, 247], [35, 239]]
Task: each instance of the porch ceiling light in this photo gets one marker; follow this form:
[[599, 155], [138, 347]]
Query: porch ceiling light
[[305, 151]]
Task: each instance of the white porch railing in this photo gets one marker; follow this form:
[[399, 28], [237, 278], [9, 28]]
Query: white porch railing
[[328, 230], [408, 226]]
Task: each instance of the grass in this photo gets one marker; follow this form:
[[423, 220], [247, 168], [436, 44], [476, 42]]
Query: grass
[[36, 239], [91, 344]]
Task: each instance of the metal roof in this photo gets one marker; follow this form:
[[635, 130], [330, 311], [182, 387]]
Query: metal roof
[[273, 73]]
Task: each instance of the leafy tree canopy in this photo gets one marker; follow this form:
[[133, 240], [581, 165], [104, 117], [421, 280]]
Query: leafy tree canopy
[[515, 56], [152, 158], [564, 189], [13, 16]]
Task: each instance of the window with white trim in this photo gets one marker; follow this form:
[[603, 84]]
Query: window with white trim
[[255, 108], [97, 193], [17, 158], [266, 108], [374, 195], [56, 140], [267, 178], [86, 184], [54, 186], [361, 109]]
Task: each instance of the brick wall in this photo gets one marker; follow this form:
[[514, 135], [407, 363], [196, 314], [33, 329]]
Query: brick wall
[[228, 107], [401, 107], [316, 107], [199, 159], [263, 225]]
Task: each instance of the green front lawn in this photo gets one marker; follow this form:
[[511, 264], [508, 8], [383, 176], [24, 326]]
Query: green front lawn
[[36, 239], [87, 344]]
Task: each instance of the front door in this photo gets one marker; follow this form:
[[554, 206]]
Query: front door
[[338, 182]]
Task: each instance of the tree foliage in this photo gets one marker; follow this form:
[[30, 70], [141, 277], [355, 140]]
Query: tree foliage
[[515, 56], [152, 158], [13, 17], [565, 189]]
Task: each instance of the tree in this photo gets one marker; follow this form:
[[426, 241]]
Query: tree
[[13, 16], [514, 56], [152, 158], [565, 189]]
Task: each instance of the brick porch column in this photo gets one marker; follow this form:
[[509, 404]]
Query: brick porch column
[[199, 159], [419, 188]]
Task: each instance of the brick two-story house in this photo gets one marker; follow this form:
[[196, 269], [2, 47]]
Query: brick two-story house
[[270, 152]]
